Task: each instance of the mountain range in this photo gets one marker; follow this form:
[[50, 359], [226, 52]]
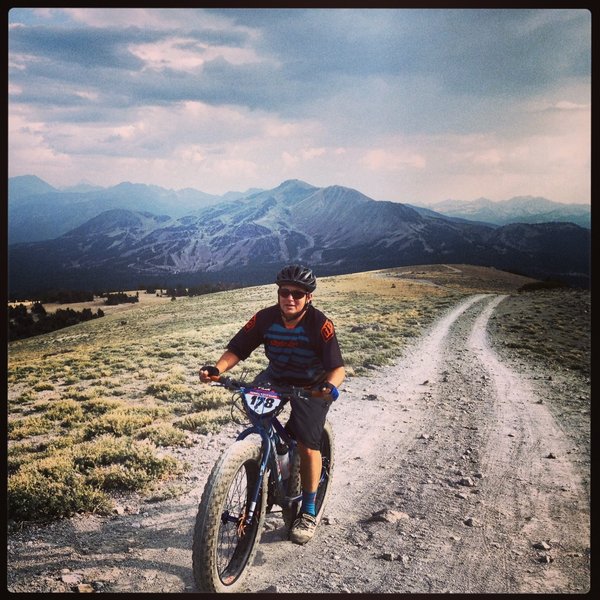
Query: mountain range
[[39, 211], [520, 209], [191, 237]]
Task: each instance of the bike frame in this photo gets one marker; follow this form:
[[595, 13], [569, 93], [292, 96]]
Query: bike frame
[[267, 426]]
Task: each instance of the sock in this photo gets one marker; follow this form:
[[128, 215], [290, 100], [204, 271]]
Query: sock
[[308, 503]]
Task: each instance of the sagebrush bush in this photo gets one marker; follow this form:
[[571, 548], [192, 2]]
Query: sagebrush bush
[[66, 412], [204, 422], [100, 406], [51, 488], [164, 434], [210, 398], [133, 454], [81, 394], [43, 386], [29, 426], [75, 479], [118, 422], [117, 478], [171, 392], [26, 397]]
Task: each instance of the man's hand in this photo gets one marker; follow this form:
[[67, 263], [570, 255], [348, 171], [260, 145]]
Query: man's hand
[[207, 372], [328, 389]]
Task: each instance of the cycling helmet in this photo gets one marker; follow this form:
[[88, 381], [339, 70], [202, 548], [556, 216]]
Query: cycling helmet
[[298, 275]]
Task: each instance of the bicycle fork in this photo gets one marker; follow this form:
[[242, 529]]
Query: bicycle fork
[[245, 519]]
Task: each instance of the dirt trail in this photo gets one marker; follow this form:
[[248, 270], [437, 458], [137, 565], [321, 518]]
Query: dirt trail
[[456, 444], [458, 448]]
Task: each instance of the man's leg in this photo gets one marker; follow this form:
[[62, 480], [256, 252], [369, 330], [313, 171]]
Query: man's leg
[[304, 526], [310, 473], [306, 423]]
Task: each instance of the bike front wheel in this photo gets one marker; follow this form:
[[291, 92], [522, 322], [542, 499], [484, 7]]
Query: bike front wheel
[[223, 545], [294, 487]]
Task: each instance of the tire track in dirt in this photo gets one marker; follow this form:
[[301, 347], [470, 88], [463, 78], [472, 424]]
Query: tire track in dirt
[[536, 495], [453, 442]]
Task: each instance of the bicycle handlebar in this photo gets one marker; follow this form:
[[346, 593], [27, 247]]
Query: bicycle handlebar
[[285, 391]]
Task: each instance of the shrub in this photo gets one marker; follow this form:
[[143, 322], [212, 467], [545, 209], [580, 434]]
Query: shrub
[[164, 435], [211, 398], [74, 479], [171, 392], [204, 422], [50, 489], [138, 456], [81, 395], [99, 406], [65, 411], [26, 397], [117, 422], [28, 426], [43, 386], [117, 477]]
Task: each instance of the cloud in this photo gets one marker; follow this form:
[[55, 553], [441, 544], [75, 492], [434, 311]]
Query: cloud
[[395, 160], [395, 102]]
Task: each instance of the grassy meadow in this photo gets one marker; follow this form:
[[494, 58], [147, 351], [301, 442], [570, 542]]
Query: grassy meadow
[[98, 409]]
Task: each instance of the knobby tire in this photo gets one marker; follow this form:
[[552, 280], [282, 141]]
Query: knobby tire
[[219, 555]]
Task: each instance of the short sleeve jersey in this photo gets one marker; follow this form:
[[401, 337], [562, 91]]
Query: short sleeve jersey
[[300, 356]]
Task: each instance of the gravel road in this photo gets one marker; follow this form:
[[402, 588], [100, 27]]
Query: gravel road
[[452, 475]]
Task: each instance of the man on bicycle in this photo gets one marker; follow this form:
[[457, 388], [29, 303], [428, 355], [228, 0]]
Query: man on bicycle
[[302, 348]]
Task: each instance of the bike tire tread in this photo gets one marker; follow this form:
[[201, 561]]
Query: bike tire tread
[[208, 517]]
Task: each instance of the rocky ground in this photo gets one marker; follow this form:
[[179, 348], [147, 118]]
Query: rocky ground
[[463, 468]]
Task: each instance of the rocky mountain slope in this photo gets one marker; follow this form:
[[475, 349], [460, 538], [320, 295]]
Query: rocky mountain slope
[[39, 211]]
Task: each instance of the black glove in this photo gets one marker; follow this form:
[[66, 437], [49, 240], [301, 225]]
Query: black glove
[[211, 370]]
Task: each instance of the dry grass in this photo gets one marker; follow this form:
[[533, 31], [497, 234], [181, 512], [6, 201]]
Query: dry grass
[[128, 381]]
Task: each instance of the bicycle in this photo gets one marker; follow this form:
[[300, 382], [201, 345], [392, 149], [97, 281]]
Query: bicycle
[[245, 483]]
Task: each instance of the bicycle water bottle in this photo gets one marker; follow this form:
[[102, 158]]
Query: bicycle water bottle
[[283, 459]]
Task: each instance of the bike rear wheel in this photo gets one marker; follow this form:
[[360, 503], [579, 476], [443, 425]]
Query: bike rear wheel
[[294, 487], [223, 547]]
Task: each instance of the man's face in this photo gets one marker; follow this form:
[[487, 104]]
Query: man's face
[[287, 303]]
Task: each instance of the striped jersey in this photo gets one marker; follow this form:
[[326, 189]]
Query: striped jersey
[[300, 356]]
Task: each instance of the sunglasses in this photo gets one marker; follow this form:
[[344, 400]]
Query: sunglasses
[[295, 294]]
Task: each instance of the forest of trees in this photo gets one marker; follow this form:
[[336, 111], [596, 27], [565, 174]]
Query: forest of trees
[[23, 323], [181, 290], [120, 298]]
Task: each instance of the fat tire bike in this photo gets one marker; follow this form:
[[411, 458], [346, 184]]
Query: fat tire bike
[[247, 481]]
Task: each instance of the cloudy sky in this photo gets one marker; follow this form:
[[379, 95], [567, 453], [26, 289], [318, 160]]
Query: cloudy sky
[[401, 104]]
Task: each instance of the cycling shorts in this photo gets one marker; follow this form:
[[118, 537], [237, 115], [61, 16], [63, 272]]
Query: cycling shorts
[[307, 416]]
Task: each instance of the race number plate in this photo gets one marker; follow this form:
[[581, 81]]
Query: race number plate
[[261, 402]]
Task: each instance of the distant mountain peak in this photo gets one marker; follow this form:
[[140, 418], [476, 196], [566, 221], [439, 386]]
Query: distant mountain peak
[[294, 184], [23, 186]]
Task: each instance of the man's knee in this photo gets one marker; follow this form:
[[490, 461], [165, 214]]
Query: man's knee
[[308, 452]]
